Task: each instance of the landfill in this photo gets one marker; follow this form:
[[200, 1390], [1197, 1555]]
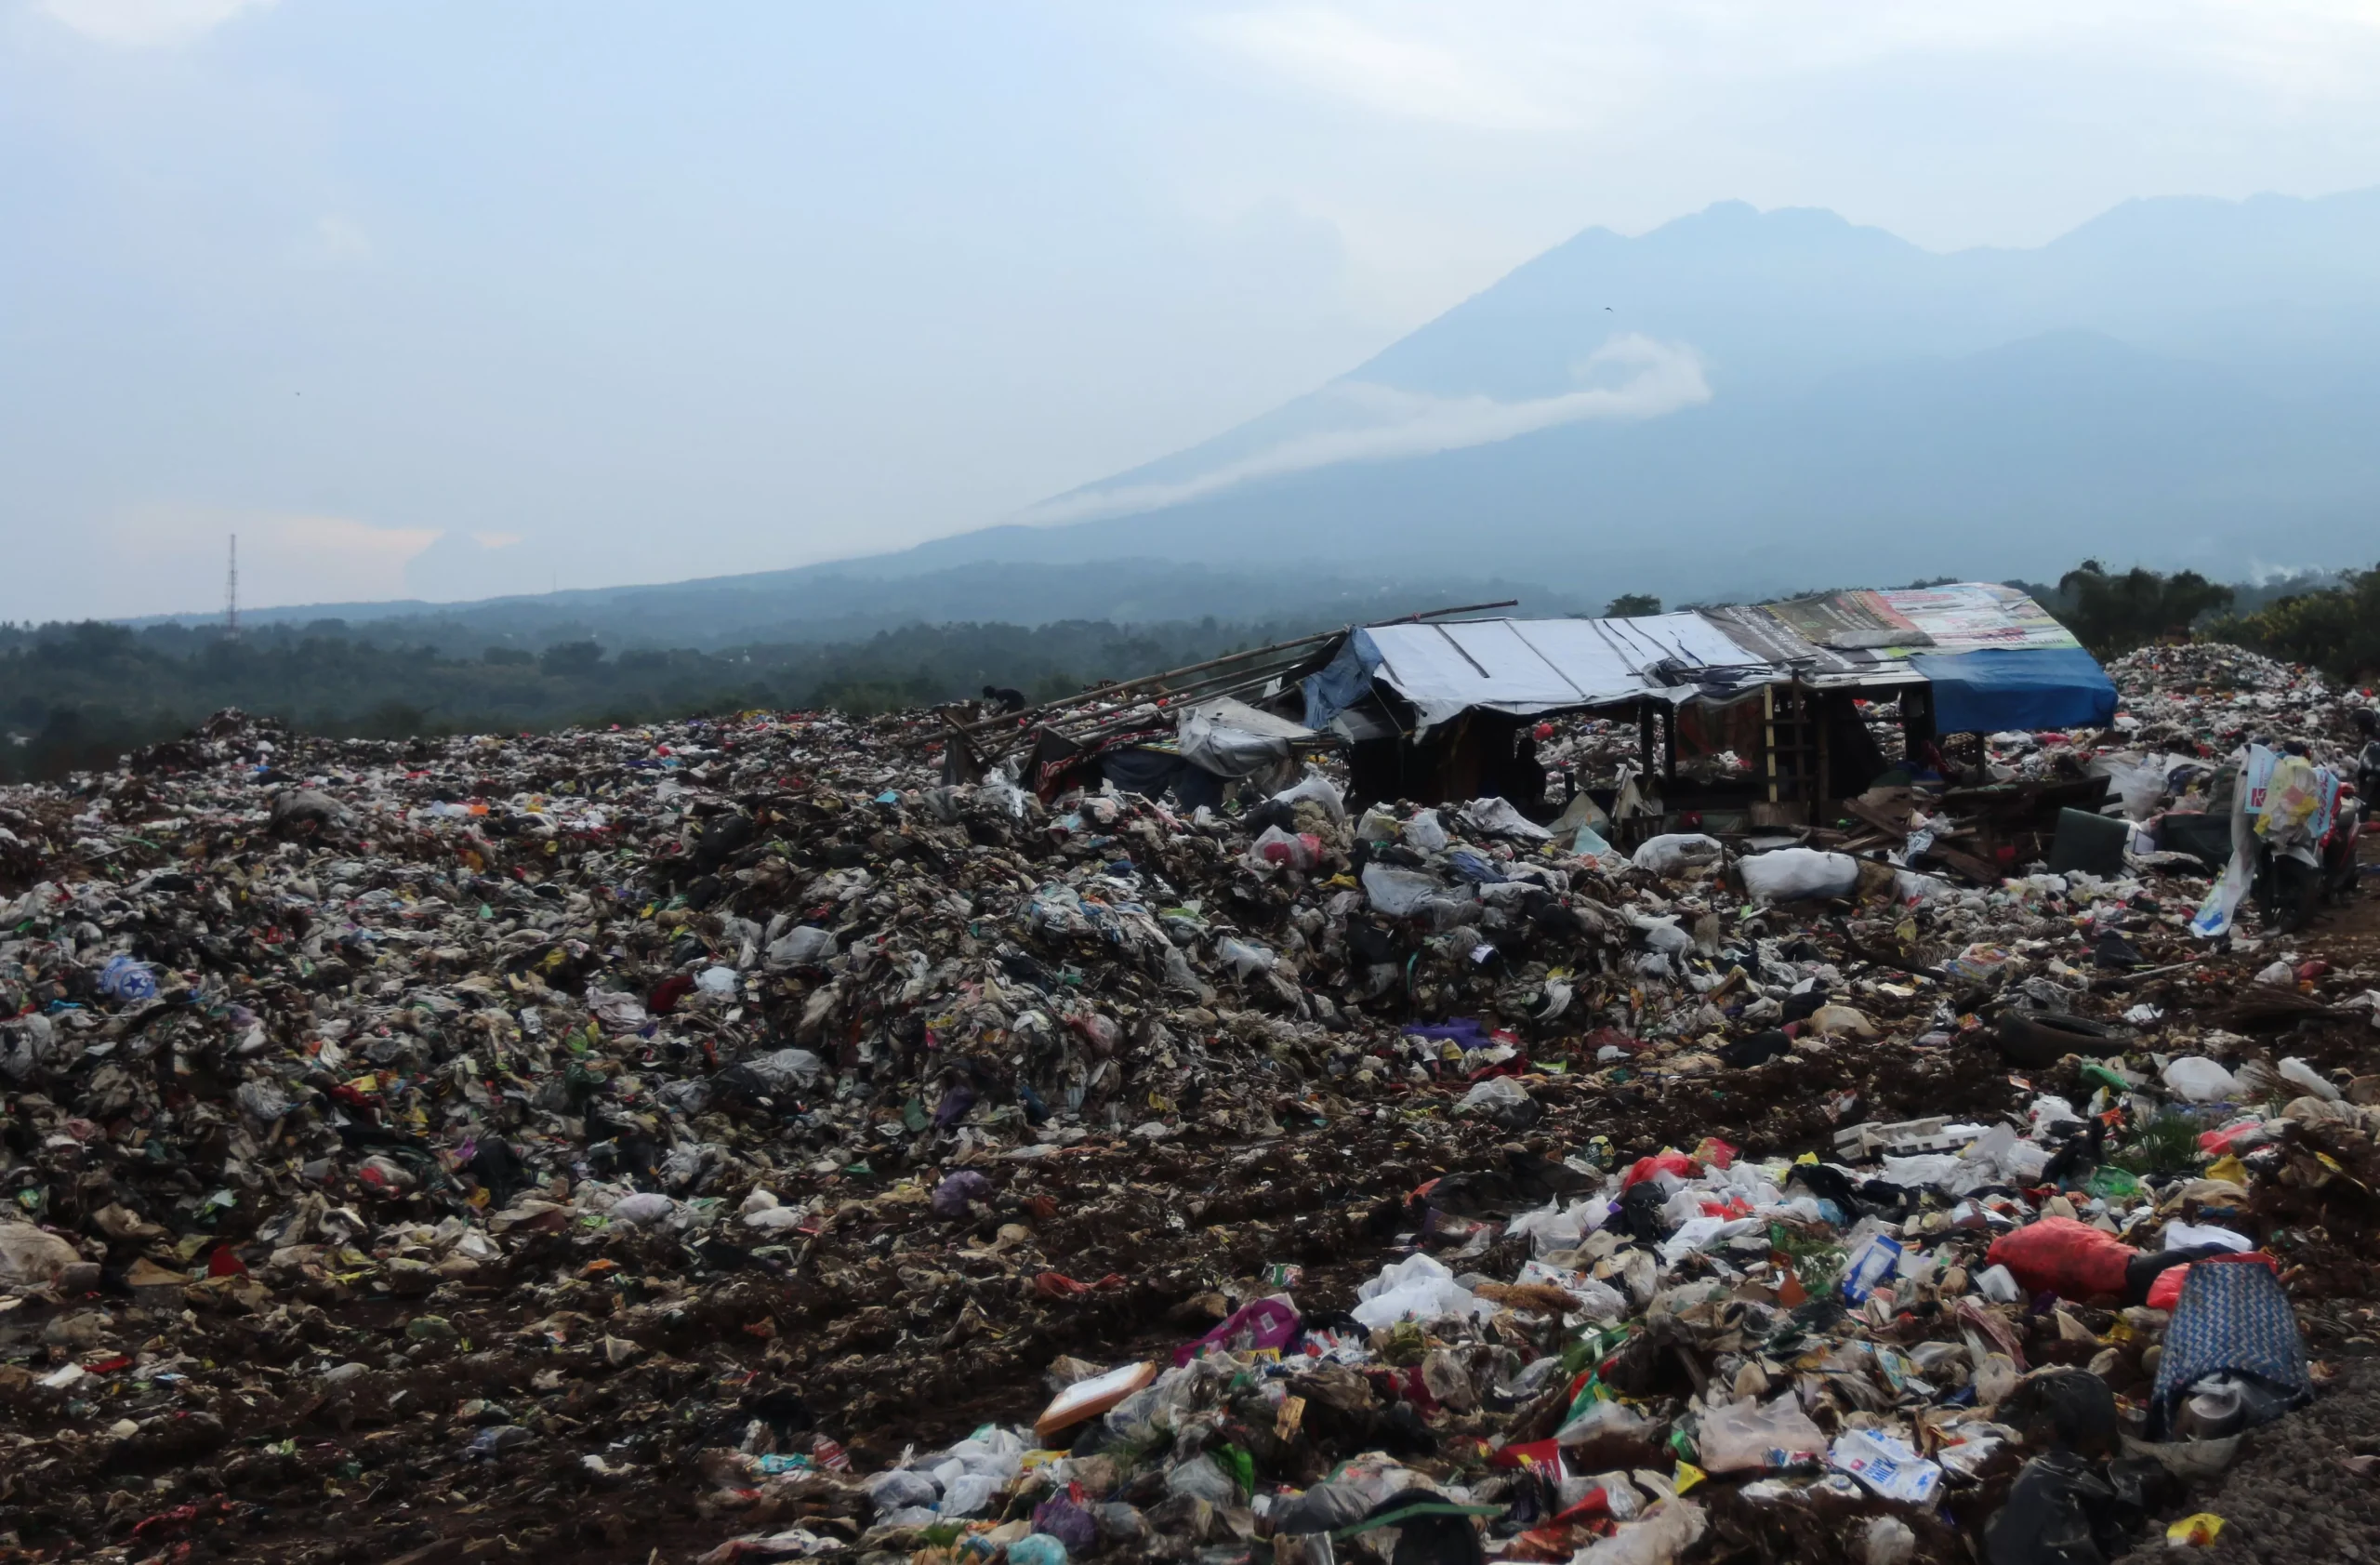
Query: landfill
[[725, 1140]]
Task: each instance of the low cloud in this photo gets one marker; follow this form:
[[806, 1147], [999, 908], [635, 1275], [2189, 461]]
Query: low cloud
[[1638, 378], [1350, 58], [147, 23]]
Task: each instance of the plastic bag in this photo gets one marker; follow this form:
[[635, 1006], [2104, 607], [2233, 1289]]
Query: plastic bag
[[1798, 874], [2166, 1292], [970, 1493], [1748, 1435], [2062, 1256], [1494, 1093], [1667, 1531], [1278, 849], [1424, 832], [1399, 893], [1319, 789], [1674, 852], [1202, 1478], [802, 946], [2299, 1073], [1496, 817], [128, 981], [2200, 1081], [1246, 959], [1417, 1286]]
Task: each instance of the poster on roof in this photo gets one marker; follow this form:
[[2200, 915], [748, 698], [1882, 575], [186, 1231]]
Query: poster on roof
[[1961, 616], [1973, 615]]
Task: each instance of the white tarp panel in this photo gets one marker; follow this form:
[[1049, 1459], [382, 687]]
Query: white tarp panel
[[1232, 738], [1523, 665]]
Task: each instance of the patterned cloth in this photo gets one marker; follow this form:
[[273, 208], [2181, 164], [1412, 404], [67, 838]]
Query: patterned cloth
[[2231, 1318]]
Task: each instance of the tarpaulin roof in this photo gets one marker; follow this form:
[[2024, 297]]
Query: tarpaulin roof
[[1988, 691], [1991, 649]]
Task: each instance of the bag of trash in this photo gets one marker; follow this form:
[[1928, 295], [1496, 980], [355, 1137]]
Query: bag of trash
[[31, 1257], [1798, 875], [2200, 1081], [2233, 1320], [1400, 892], [904, 1487], [1245, 958], [1417, 1286], [1496, 817], [1675, 852], [2058, 1513], [1319, 789], [970, 1493], [800, 947], [1278, 849], [2062, 1256], [1202, 1478], [1503, 1100]]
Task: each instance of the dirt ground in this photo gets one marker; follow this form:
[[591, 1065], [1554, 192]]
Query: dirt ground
[[2305, 1489], [883, 1356]]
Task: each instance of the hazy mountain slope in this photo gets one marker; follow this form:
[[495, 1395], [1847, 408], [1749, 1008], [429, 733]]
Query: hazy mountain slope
[[1735, 403]]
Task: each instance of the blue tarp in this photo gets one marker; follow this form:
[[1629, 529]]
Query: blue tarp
[[1987, 692], [1344, 681]]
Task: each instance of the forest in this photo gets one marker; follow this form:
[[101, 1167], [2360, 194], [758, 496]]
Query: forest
[[77, 696]]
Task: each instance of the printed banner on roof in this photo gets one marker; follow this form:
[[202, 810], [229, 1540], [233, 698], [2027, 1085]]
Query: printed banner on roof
[[1961, 616]]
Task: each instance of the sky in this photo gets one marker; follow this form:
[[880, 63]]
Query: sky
[[451, 299]]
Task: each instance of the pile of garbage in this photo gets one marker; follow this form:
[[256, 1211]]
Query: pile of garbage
[[727, 1140]]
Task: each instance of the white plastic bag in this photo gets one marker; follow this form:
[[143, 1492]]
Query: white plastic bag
[[1667, 1531], [1497, 1091], [1278, 849], [1424, 833], [1246, 959], [1496, 817], [2299, 1073], [1319, 789], [1678, 851], [801, 946], [1798, 874], [1399, 893], [2200, 1081], [1417, 1286]]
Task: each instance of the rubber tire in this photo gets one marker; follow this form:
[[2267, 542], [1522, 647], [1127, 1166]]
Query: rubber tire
[[2040, 1038]]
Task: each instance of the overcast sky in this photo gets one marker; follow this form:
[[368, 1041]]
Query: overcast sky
[[507, 295]]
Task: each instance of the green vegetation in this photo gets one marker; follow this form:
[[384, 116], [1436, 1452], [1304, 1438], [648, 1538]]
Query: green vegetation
[[2114, 614], [76, 696], [1632, 605], [2335, 629], [2167, 1143]]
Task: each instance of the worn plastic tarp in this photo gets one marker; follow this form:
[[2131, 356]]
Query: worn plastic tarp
[[1232, 738], [1526, 666], [1344, 681], [1994, 690]]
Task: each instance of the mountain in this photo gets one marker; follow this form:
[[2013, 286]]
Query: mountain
[[1742, 402], [1735, 405]]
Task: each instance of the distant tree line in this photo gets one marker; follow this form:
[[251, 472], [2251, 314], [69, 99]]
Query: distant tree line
[[2329, 622], [75, 697]]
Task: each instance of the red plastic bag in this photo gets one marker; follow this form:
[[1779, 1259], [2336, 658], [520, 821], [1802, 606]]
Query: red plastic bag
[[1670, 1160], [2062, 1256], [2166, 1292]]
